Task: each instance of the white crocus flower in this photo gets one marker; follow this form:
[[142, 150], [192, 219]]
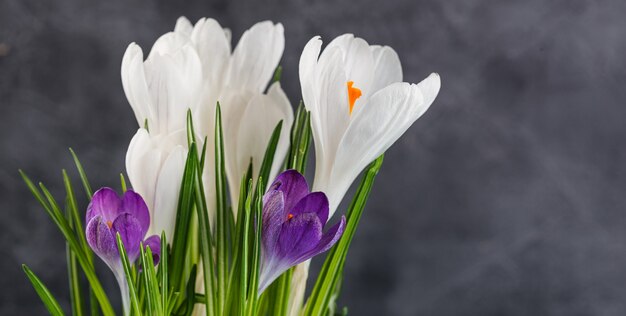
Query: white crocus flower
[[162, 88], [359, 107], [237, 80], [155, 165]]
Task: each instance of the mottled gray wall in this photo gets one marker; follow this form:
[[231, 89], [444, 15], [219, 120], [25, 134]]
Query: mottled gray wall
[[506, 198]]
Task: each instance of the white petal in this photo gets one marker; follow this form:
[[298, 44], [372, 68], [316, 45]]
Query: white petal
[[143, 163], [285, 113], [183, 26], [358, 62], [387, 67], [332, 117], [134, 83], [175, 82], [229, 35], [308, 64], [298, 285], [169, 43], [257, 124], [310, 92], [214, 51], [167, 191], [233, 103], [386, 116], [256, 56]]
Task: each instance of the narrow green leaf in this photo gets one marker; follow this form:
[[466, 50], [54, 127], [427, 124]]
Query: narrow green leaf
[[246, 251], [191, 134], [46, 297], [221, 213], [277, 74], [256, 251], [76, 298], [132, 291], [75, 220], [190, 290], [153, 294], [204, 233], [123, 182], [163, 272], [82, 174], [329, 276], [184, 217], [235, 299]]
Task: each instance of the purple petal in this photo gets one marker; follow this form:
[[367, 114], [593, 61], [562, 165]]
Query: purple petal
[[293, 185], [130, 230], [134, 204], [328, 240], [299, 235], [154, 242], [101, 240], [105, 203], [274, 216], [315, 202]]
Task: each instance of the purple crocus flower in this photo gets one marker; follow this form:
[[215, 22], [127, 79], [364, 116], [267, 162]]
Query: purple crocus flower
[[107, 215], [293, 220]]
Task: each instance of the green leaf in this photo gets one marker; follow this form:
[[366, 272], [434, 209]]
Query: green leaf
[[221, 213], [204, 233], [191, 135], [153, 294], [83, 175], [132, 291], [184, 215], [46, 297], [190, 290], [330, 274], [277, 74], [163, 272], [255, 257], [123, 183], [76, 298], [300, 139], [75, 220], [236, 286]]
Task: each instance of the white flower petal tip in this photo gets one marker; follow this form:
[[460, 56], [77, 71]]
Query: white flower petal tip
[[430, 87]]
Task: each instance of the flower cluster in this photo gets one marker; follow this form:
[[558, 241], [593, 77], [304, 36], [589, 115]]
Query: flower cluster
[[194, 91]]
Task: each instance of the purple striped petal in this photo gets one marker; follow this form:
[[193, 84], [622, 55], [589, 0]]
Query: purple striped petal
[[299, 235], [105, 203], [134, 204], [154, 242], [328, 240], [293, 185], [130, 230], [315, 202], [101, 240], [273, 218]]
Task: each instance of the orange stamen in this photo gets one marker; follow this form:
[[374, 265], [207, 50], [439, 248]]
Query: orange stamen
[[353, 94], [289, 216], [110, 224]]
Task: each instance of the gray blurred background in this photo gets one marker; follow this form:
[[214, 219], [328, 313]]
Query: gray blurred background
[[506, 198]]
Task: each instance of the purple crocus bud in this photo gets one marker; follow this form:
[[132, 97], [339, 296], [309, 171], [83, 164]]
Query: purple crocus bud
[[293, 220], [107, 215]]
